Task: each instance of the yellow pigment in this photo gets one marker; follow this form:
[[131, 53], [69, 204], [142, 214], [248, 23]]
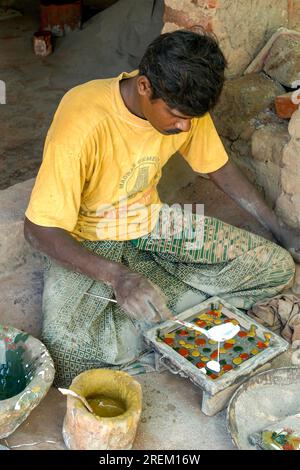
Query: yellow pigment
[[106, 407]]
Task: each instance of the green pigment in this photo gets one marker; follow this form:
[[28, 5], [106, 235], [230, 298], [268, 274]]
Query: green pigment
[[13, 379], [106, 407]]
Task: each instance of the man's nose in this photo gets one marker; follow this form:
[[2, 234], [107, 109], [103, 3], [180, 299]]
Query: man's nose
[[183, 125]]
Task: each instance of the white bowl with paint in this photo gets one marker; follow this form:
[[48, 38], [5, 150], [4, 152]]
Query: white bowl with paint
[[26, 374]]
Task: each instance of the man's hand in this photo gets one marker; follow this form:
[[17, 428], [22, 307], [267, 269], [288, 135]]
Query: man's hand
[[139, 297], [290, 239]]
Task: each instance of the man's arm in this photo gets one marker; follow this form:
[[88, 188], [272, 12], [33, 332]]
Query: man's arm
[[133, 292], [232, 181]]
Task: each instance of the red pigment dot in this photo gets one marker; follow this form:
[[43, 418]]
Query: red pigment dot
[[288, 447], [168, 340], [244, 356], [228, 345], [261, 345], [200, 342], [200, 365], [213, 313], [183, 333], [214, 355], [183, 352], [213, 376], [227, 367], [242, 334]]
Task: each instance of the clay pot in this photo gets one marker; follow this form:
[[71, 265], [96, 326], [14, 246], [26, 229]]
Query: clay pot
[[31, 373], [42, 44], [83, 430]]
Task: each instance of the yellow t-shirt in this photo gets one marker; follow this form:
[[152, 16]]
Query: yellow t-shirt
[[101, 164]]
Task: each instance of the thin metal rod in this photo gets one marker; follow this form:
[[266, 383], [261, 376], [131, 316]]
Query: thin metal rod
[[100, 297]]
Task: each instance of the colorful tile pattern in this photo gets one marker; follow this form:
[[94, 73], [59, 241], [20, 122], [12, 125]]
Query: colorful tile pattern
[[197, 349]]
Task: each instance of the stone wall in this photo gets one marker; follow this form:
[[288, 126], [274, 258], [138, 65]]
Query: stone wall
[[252, 133], [266, 147], [242, 27], [294, 14], [288, 204]]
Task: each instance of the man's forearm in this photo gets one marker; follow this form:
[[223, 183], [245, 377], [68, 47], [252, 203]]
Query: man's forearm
[[59, 245], [232, 181], [141, 299]]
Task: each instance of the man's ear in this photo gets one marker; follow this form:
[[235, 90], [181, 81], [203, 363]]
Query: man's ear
[[144, 86]]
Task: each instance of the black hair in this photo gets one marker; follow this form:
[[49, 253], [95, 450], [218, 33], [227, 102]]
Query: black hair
[[186, 70]]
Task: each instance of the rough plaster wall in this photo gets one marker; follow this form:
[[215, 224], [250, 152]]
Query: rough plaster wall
[[253, 135], [267, 146], [294, 14], [242, 27], [288, 204], [188, 13]]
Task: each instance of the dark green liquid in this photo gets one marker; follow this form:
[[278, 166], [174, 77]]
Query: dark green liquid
[[106, 407], [13, 378]]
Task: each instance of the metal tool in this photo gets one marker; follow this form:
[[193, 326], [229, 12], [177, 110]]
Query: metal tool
[[66, 391], [100, 297]]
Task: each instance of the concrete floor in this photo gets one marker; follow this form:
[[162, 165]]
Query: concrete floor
[[171, 404], [104, 47], [172, 417], [171, 408]]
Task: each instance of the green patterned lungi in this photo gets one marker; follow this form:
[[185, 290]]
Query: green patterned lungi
[[82, 332]]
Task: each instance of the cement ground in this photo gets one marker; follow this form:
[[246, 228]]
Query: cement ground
[[171, 418]]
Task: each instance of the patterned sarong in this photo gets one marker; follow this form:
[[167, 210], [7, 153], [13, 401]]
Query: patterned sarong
[[82, 332]]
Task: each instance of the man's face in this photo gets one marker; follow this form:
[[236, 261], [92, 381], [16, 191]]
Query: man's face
[[164, 119]]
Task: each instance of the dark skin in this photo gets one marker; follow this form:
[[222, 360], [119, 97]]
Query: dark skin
[[232, 181], [128, 285], [140, 298]]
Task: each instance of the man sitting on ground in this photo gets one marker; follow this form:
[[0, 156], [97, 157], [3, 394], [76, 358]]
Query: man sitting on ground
[[95, 211]]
